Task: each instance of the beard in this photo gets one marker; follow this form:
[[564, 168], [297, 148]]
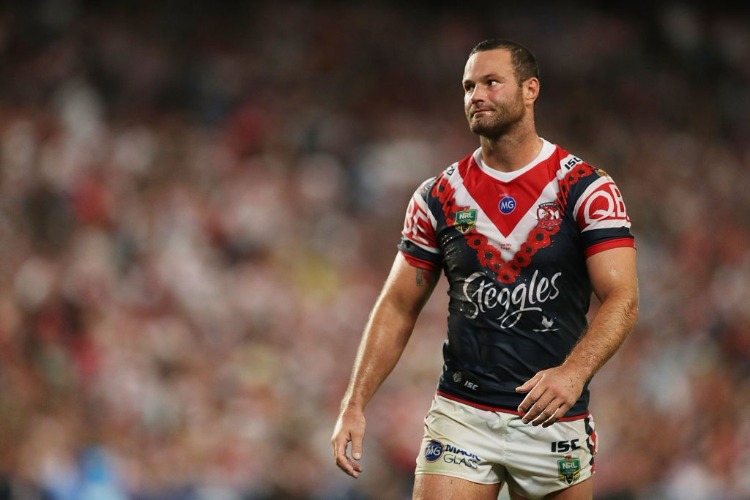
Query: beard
[[501, 119]]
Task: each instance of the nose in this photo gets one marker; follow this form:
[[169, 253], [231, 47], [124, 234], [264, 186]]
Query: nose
[[476, 94]]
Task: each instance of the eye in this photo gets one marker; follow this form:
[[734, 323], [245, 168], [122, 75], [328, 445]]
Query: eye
[[468, 87]]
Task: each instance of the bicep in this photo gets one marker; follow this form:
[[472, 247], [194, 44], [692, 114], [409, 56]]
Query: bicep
[[409, 287], [614, 271]]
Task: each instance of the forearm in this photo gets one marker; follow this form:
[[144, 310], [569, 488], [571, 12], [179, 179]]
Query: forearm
[[384, 340], [388, 330], [609, 328], [385, 336]]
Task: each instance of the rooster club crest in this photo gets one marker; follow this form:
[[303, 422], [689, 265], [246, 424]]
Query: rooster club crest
[[465, 220], [569, 469], [549, 215]]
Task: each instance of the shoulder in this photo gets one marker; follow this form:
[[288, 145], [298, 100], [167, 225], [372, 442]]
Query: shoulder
[[572, 170], [445, 180]]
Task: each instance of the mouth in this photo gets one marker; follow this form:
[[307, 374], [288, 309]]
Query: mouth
[[479, 112]]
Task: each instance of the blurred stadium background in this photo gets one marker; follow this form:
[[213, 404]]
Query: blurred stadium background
[[199, 202]]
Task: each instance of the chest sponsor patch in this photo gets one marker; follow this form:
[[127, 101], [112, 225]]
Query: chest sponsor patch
[[507, 205]]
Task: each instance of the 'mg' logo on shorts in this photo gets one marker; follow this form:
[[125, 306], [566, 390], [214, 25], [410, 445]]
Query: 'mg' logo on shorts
[[433, 451]]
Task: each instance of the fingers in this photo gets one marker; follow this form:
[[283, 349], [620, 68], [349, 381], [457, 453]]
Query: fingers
[[548, 415], [541, 406], [544, 411], [343, 461], [532, 404], [340, 441], [339, 455], [529, 384], [538, 411], [550, 394], [357, 439]]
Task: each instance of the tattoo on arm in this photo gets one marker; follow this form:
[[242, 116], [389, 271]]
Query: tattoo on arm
[[420, 277]]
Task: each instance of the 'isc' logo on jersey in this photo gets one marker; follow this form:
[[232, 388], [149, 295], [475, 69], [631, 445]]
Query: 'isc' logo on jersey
[[570, 161]]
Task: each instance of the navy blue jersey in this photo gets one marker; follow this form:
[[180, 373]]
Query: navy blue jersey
[[513, 247]]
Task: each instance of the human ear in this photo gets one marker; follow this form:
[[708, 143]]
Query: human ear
[[531, 88]]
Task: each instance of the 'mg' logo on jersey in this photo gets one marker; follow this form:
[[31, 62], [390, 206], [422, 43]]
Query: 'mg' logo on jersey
[[465, 220]]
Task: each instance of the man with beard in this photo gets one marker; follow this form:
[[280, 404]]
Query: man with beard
[[524, 232]]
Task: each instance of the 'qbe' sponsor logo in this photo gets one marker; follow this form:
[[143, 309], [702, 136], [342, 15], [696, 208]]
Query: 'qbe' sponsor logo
[[605, 203]]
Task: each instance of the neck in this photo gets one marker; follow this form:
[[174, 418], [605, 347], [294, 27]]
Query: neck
[[511, 152]]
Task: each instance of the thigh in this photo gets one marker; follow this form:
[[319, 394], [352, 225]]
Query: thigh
[[579, 491], [459, 442], [439, 487], [552, 462]]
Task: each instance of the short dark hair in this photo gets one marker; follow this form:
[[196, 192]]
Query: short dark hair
[[524, 62]]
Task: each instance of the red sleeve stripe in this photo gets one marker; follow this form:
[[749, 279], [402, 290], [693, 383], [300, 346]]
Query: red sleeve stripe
[[420, 263], [609, 244]]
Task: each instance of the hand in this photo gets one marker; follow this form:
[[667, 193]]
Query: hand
[[350, 427], [551, 393]]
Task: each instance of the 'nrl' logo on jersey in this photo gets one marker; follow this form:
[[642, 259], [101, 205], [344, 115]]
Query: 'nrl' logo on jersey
[[465, 220]]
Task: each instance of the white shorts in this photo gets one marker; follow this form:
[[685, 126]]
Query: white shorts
[[491, 447]]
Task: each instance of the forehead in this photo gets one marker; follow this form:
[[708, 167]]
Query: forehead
[[496, 62]]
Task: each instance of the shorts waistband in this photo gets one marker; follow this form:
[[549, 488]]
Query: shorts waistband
[[499, 409]]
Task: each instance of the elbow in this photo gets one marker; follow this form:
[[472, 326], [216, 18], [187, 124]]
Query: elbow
[[624, 306], [632, 310]]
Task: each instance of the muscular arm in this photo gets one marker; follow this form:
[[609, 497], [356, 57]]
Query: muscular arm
[[551, 393], [385, 336]]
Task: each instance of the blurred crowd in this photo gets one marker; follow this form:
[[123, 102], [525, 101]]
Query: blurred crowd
[[199, 203]]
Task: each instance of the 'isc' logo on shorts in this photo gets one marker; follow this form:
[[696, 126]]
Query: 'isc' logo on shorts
[[433, 451]]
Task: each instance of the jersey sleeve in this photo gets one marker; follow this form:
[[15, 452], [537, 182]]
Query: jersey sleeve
[[418, 242], [601, 215]]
